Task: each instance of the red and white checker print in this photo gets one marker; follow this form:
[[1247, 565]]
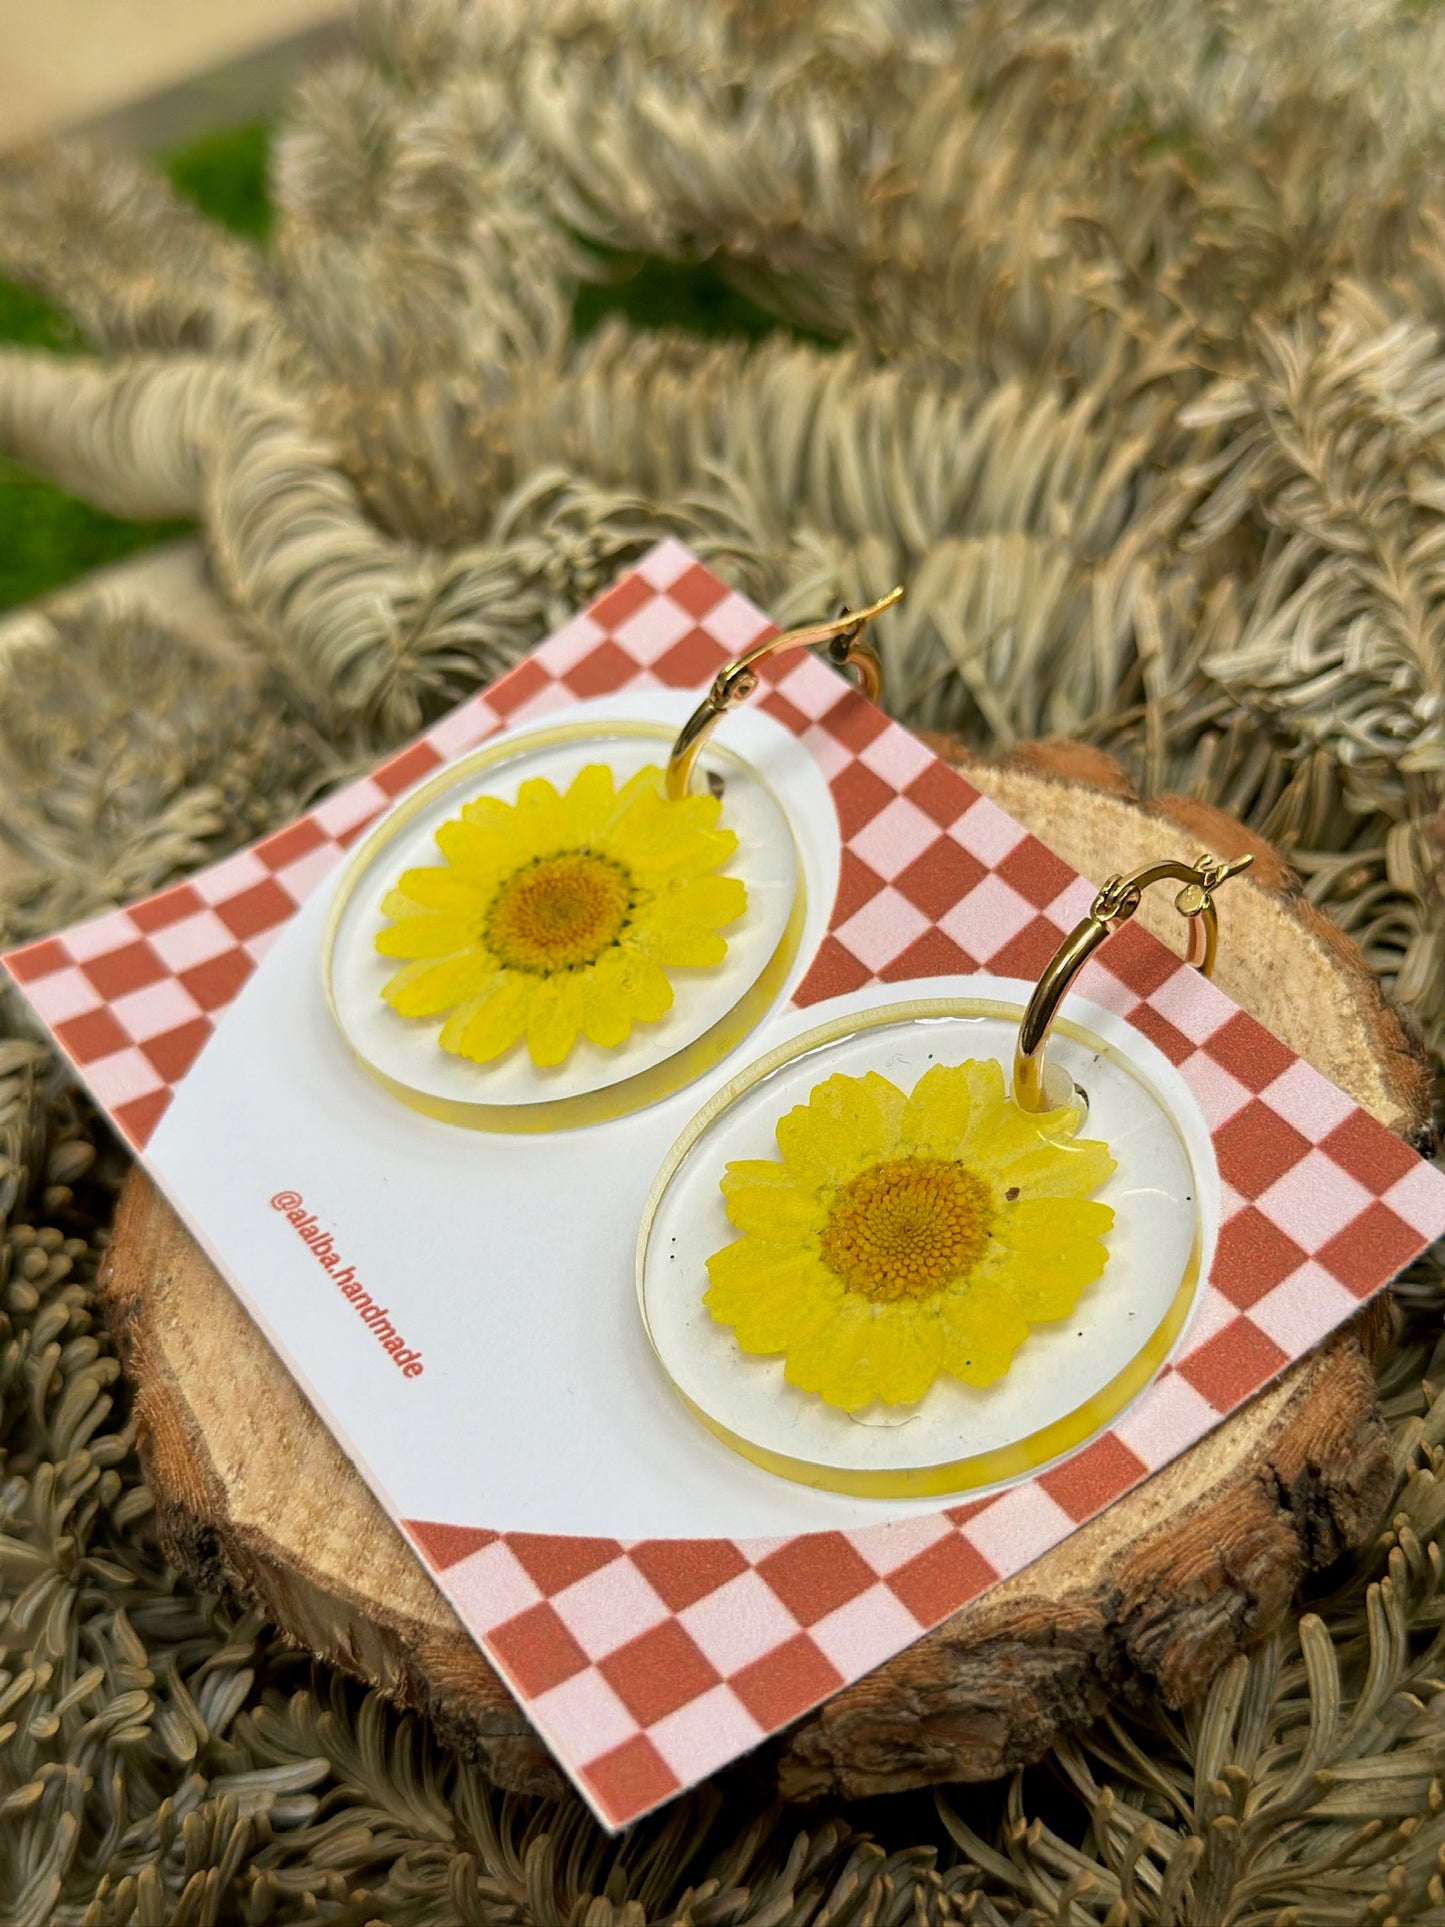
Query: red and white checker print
[[131, 997], [648, 1666]]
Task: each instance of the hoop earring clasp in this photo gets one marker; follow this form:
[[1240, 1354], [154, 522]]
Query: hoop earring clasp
[[737, 680], [1113, 906]]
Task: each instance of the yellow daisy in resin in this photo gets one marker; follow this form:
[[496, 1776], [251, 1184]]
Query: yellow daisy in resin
[[904, 1236], [560, 916]]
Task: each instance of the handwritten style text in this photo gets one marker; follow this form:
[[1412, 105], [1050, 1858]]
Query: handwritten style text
[[407, 1359]]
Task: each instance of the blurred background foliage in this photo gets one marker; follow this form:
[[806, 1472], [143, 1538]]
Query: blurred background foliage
[[48, 537], [1118, 334]]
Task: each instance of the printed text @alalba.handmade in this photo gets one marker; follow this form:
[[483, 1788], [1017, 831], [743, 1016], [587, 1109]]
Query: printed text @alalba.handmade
[[376, 1317]]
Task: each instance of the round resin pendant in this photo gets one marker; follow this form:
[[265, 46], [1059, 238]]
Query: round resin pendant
[[538, 938], [1107, 1282]]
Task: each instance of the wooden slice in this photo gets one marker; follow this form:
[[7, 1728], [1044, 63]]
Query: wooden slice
[[254, 1495]]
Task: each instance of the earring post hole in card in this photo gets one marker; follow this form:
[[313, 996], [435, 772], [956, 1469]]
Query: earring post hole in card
[[446, 1078]]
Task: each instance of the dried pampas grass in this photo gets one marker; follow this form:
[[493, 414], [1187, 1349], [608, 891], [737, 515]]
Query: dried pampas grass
[[1116, 333]]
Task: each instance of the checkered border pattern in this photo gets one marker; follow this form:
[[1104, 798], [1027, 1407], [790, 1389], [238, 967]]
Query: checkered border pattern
[[648, 1666], [132, 996]]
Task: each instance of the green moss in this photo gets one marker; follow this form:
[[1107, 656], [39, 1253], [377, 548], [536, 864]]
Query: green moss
[[225, 175], [659, 294], [47, 537], [31, 321]]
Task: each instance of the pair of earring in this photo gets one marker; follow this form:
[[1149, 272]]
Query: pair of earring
[[608, 922]]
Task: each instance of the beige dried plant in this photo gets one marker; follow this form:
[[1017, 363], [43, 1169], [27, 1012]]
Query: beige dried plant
[[1115, 332]]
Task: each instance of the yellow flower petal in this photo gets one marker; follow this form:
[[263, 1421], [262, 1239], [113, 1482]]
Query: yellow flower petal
[[1044, 1292], [642, 787], [739, 1172], [765, 1294], [810, 1156], [435, 933], [689, 949], [1055, 1248], [579, 903], [643, 799], [710, 902], [884, 1248], [778, 1212], [846, 1124], [1000, 1131], [682, 859], [936, 1116], [904, 1355], [749, 1268], [981, 1328], [591, 798], [606, 1018], [435, 887], [1052, 1227], [489, 813], [643, 987], [666, 838], [833, 1361], [681, 926], [1059, 1170], [541, 820], [537, 797], [426, 989], [554, 1017], [480, 856], [483, 1030]]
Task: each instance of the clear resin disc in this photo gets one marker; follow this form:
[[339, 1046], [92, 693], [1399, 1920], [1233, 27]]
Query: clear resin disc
[[1068, 1379], [713, 1008]]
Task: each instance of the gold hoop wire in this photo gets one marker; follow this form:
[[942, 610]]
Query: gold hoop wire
[[1113, 906], [737, 680]]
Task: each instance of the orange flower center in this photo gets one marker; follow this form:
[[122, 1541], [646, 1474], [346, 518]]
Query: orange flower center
[[903, 1228], [559, 912]]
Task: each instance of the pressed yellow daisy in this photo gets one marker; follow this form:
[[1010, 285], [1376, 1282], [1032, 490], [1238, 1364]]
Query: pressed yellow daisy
[[902, 1237], [558, 916]]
